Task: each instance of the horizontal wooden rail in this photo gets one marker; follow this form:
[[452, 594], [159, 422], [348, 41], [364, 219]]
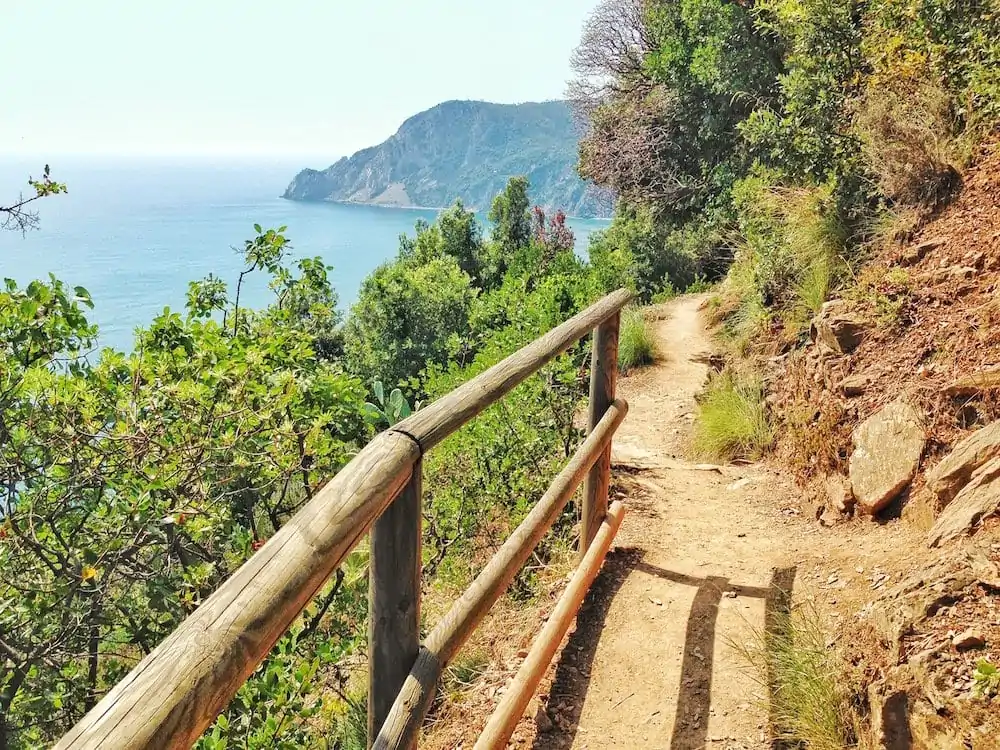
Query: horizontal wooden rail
[[434, 423], [177, 691], [508, 713], [411, 705]]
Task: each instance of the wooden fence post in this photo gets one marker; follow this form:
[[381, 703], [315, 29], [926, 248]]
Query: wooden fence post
[[393, 601], [603, 375]]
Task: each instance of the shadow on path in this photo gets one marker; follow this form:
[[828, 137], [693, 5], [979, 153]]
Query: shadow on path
[[572, 680]]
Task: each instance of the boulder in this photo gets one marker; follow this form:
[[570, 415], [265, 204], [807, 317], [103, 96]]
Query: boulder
[[887, 451], [948, 478], [978, 499], [835, 329]]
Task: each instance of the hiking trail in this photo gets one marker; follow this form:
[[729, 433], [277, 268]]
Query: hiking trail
[[705, 555]]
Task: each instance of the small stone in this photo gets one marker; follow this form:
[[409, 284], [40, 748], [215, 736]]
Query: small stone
[[969, 639], [542, 721], [855, 385]]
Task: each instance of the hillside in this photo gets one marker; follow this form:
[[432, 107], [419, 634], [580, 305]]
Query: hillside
[[467, 150]]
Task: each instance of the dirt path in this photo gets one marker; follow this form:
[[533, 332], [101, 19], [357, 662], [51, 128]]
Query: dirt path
[[703, 554]]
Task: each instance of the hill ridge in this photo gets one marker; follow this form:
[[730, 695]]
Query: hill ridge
[[463, 149]]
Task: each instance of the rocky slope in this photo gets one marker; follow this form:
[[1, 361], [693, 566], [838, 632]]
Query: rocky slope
[[467, 150], [893, 412]]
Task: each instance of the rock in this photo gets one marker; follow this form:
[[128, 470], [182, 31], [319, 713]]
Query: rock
[[839, 492], [888, 446], [835, 329], [890, 717], [974, 384], [855, 385], [542, 720], [947, 478], [914, 254], [970, 639], [978, 499], [740, 484], [926, 590]]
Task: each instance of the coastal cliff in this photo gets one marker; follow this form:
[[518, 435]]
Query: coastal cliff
[[466, 150]]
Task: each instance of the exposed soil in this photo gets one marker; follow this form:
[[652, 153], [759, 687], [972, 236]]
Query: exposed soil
[[704, 557], [933, 305]]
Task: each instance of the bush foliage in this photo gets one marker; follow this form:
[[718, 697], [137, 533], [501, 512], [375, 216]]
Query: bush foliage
[[134, 483], [707, 115]]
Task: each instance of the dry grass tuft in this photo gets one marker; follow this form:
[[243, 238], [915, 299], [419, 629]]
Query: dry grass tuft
[[906, 130], [792, 662], [732, 419]]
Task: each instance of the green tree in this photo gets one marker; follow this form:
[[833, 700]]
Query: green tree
[[408, 315], [132, 485], [511, 231]]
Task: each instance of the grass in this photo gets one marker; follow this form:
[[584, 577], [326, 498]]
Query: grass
[[732, 419], [808, 706], [463, 672], [350, 726], [636, 346]]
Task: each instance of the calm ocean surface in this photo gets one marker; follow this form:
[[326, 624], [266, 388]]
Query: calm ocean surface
[[135, 232]]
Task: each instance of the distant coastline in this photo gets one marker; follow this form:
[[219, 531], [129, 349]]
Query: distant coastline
[[464, 150], [373, 204]]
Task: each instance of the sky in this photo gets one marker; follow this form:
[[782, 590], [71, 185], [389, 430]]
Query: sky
[[236, 77]]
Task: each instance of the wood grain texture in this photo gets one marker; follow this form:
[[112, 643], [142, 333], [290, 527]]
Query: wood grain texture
[[468, 611], [435, 422], [519, 692], [603, 379], [402, 727], [393, 600], [177, 691]]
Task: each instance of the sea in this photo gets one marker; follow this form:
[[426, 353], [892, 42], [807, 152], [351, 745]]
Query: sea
[[135, 231]]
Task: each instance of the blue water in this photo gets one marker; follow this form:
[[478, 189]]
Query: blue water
[[135, 232]]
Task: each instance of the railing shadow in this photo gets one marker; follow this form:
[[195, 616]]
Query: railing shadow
[[572, 678], [690, 728]]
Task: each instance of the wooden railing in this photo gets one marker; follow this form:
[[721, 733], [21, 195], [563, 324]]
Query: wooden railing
[[178, 690]]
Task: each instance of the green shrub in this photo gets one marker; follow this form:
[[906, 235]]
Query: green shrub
[[699, 285], [636, 346], [732, 419], [906, 130], [986, 680], [792, 662], [666, 293]]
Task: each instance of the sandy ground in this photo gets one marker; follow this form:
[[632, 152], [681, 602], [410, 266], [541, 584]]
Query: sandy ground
[[704, 557]]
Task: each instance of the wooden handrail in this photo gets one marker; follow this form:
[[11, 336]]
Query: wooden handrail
[[177, 691], [508, 713], [414, 700], [434, 423]]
